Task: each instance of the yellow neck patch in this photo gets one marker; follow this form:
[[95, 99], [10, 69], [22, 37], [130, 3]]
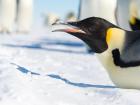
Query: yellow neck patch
[[108, 36], [132, 20], [115, 37]]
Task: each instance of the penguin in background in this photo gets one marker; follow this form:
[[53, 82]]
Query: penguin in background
[[123, 13], [24, 16], [128, 14], [117, 49], [15, 11], [134, 19], [8, 15], [0, 18], [100, 8]]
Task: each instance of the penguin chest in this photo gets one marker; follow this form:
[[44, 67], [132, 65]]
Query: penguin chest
[[121, 77]]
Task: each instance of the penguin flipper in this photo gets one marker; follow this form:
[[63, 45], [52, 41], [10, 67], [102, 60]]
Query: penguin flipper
[[118, 61], [130, 55]]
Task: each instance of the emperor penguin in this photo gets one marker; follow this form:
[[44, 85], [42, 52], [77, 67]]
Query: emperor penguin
[[99, 8], [117, 49], [128, 14], [0, 18], [134, 18], [24, 16], [8, 15]]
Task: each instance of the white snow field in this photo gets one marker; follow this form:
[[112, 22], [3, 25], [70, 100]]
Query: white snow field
[[46, 68]]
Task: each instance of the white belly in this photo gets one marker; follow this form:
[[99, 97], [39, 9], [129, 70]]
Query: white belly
[[121, 77]]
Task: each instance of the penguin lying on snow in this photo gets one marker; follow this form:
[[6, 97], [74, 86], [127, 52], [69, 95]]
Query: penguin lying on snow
[[117, 49]]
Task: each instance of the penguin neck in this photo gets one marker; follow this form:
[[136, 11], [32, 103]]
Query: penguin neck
[[121, 77], [115, 39], [107, 62]]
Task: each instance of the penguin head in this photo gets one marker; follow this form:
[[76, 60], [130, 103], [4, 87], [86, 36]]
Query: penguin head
[[93, 31]]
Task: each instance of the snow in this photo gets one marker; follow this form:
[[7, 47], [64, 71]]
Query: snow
[[45, 68]]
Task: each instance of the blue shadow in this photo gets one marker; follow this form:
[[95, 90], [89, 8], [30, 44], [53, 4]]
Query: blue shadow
[[63, 43], [38, 47], [24, 70], [50, 42], [68, 43], [81, 85]]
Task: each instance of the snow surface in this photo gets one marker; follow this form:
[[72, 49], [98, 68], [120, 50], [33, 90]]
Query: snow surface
[[46, 68]]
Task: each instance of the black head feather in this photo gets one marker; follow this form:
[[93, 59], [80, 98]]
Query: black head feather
[[94, 32]]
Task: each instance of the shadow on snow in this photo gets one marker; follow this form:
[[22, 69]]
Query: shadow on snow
[[24, 70], [64, 43], [49, 42], [81, 85], [36, 46]]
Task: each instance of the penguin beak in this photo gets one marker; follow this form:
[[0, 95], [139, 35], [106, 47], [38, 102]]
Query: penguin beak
[[68, 27]]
